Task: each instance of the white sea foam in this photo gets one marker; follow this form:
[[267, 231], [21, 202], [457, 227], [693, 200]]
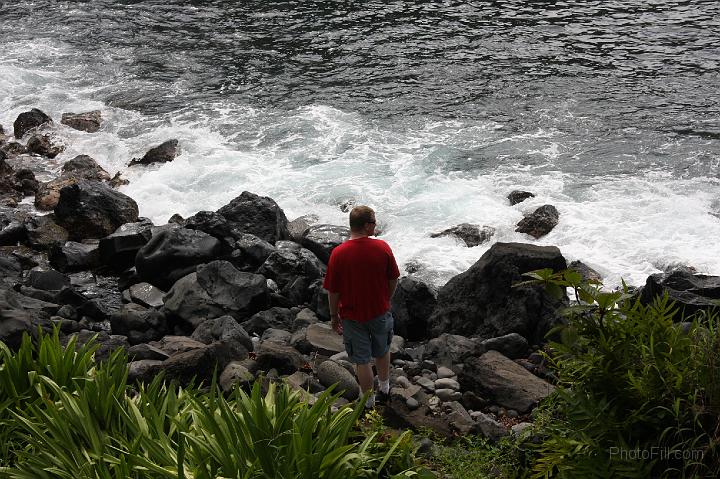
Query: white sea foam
[[313, 158]]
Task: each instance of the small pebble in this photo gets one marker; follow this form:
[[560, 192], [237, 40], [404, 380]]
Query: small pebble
[[512, 413], [427, 364], [447, 383], [426, 383], [493, 409], [443, 372], [412, 403], [456, 396], [399, 362]]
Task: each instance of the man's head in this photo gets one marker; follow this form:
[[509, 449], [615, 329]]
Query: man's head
[[362, 220]]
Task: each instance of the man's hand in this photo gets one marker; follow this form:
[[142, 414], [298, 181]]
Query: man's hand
[[336, 324]]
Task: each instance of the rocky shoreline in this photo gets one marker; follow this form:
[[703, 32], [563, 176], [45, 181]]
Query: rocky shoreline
[[238, 291]]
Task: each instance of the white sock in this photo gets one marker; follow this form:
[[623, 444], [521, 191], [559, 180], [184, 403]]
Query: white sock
[[384, 386], [370, 403]]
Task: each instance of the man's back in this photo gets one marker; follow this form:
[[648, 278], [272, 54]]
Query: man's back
[[359, 270]]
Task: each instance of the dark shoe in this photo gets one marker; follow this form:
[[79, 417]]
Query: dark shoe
[[382, 399]]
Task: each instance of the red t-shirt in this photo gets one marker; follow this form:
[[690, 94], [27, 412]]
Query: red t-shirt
[[359, 270]]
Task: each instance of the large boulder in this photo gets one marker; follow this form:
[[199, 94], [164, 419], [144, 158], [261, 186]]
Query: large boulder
[[258, 215], [540, 222], [224, 328], [298, 226], [412, 305], [215, 225], [28, 120], [275, 317], [10, 271], [162, 153], [322, 239], [691, 292], [249, 252], [483, 301], [451, 349], [284, 265], [71, 257], [139, 324], [196, 365], [503, 381], [471, 235], [20, 314], [90, 209], [216, 289], [82, 167], [88, 121], [173, 253], [119, 249], [43, 232], [323, 339], [331, 373], [283, 358]]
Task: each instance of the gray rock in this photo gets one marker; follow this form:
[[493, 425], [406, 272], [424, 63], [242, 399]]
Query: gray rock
[[412, 305], [330, 372], [235, 375], [167, 151], [446, 383], [471, 235], [443, 372], [304, 318], [324, 340], [275, 317], [690, 292], [483, 301], [412, 403], [277, 335], [147, 295], [427, 384], [519, 428], [511, 345], [298, 226], [177, 344], [258, 215], [71, 257], [285, 359], [119, 249], [43, 232], [227, 330], [143, 369], [44, 145], [540, 222], [217, 289], [322, 239], [249, 251], [48, 280], [518, 196], [90, 209], [142, 351], [173, 253], [28, 120], [587, 273], [449, 349], [88, 121], [490, 428], [403, 382], [459, 418], [444, 394], [505, 382]]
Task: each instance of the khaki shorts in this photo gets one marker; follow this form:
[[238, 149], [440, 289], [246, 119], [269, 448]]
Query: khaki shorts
[[369, 339]]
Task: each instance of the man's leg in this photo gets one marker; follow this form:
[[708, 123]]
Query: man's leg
[[382, 364], [365, 376]]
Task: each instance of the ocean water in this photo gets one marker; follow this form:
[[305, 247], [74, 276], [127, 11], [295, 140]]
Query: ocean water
[[431, 112]]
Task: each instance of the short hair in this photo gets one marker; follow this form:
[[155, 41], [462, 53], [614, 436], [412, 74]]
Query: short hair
[[359, 216]]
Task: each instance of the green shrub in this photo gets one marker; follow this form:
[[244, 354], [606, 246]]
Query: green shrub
[[63, 416], [637, 395]]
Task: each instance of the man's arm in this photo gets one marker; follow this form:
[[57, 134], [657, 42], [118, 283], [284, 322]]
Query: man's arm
[[333, 301], [392, 284]]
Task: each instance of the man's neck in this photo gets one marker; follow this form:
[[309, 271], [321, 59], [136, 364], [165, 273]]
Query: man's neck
[[354, 236]]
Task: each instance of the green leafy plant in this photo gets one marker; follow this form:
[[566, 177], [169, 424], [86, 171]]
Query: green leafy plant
[[638, 395], [66, 417]]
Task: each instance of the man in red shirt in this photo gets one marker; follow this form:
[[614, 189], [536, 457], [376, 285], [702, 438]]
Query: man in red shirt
[[361, 278]]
